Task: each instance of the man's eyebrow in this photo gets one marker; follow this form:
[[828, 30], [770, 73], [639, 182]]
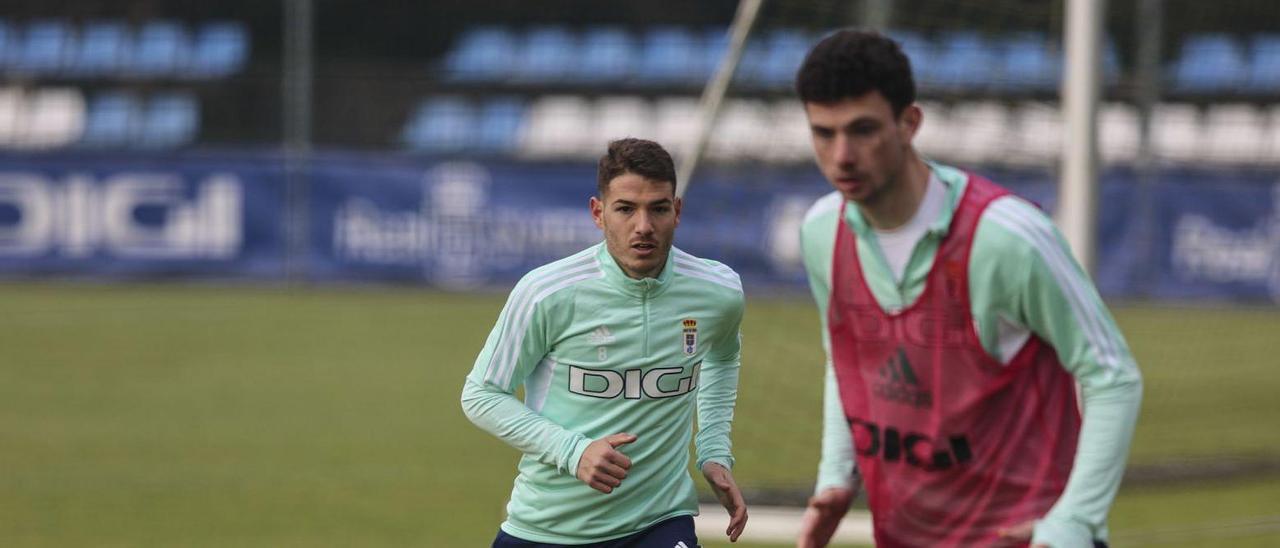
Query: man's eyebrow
[[621, 201]]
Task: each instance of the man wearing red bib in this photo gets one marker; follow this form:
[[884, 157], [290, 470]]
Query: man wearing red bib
[[957, 328]]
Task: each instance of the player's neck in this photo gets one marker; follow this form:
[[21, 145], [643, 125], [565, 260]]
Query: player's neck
[[901, 199]]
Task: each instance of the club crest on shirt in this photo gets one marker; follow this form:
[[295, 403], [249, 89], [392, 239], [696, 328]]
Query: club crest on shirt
[[690, 337]]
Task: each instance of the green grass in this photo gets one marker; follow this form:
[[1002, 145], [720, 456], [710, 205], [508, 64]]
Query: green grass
[[227, 416]]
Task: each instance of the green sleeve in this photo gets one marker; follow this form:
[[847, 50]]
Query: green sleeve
[[836, 467], [1020, 255], [518, 342], [718, 392]]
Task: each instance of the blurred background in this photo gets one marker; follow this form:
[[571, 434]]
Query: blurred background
[[248, 250]]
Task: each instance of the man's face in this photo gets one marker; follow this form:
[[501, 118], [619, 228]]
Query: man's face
[[639, 218], [860, 146]]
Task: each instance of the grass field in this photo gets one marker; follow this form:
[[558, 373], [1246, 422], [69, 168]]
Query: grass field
[[219, 416]]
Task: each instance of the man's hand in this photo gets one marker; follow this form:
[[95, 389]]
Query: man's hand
[[1021, 532], [823, 515], [602, 466], [730, 497]]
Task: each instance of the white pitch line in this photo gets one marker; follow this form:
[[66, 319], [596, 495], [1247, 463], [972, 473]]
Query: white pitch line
[[778, 524]]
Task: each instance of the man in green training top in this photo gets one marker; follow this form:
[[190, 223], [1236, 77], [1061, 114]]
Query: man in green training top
[[615, 347], [957, 328]]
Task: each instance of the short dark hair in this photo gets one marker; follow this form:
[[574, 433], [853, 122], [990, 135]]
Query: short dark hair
[[851, 63], [642, 157]]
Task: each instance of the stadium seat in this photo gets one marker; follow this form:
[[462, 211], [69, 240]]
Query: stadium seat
[[1209, 63], [616, 117], [170, 120], [1119, 133], [965, 61], [54, 118], [937, 135], [483, 54], [162, 49], [1270, 150], [440, 125], [1037, 137], [44, 48], [676, 122], [1176, 132], [1234, 134], [102, 49], [220, 50], [112, 120], [742, 131], [500, 123], [1264, 64], [1111, 69], [1030, 63], [669, 55], [789, 139], [751, 64], [984, 129], [547, 55], [7, 40], [559, 126], [922, 54], [715, 42], [11, 108], [607, 56], [785, 50]]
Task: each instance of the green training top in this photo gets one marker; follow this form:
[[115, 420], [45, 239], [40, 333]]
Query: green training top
[[1022, 281], [599, 353]]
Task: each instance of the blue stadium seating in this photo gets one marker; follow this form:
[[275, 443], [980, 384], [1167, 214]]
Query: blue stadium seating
[[102, 50], [498, 131], [220, 50], [922, 54], [669, 55], [6, 44], [440, 124], [483, 54], [608, 55], [785, 50], [547, 54], [1209, 63], [162, 48], [1264, 64], [964, 61], [1028, 63], [714, 45], [170, 120], [44, 47], [112, 120]]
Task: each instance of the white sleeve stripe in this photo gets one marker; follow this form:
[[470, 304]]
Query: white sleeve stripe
[[690, 268], [712, 279], [522, 302], [514, 347], [507, 350], [1068, 279], [693, 267], [719, 269]]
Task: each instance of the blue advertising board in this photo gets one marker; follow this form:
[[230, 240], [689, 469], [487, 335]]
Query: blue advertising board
[[462, 224]]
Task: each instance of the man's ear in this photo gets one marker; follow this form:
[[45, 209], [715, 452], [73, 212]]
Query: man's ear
[[678, 204], [597, 211], [910, 121]]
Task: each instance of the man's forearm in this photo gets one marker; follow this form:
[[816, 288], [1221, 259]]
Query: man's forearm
[[502, 415], [717, 395], [1110, 413]]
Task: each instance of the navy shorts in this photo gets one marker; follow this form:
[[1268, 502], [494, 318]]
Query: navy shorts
[[676, 532]]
